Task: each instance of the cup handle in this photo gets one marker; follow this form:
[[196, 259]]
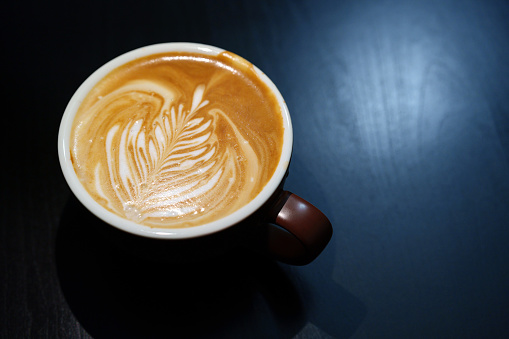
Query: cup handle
[[298, 232]]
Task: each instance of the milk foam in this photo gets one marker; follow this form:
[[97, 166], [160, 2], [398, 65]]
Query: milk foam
[[179, 152]]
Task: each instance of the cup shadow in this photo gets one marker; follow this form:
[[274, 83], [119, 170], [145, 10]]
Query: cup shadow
[[124, 286]]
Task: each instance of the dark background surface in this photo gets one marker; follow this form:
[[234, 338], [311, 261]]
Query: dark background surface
[[401, 121]]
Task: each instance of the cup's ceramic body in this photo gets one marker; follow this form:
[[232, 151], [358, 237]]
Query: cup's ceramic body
[[165, 233]]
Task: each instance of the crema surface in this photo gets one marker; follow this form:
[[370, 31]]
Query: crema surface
[[177, 139]]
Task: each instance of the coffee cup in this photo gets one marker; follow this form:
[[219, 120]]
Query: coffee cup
[[182, 140]]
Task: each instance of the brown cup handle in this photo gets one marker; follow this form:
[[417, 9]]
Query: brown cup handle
[[299, 232]]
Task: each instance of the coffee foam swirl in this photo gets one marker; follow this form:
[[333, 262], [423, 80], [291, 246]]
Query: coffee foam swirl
[[160, 159]]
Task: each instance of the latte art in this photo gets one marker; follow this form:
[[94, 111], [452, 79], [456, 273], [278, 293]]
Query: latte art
[[177, 140], [162, 172]]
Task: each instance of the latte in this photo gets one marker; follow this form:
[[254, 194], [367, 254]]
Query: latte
[[177, 139]]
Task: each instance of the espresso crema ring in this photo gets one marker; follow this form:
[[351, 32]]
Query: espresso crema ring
[[177, 139]]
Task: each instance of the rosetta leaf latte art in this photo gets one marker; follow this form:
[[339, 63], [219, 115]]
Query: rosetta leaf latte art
[[166, 161]]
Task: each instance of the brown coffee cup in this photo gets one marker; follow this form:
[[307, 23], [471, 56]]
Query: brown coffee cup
[[182, 140]]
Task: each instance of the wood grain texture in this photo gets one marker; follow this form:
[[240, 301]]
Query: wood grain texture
[[401, 124]]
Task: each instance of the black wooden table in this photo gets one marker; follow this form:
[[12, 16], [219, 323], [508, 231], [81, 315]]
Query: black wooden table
[[401, 120]]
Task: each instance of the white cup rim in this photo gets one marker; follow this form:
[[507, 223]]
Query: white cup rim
[[153, 232]]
